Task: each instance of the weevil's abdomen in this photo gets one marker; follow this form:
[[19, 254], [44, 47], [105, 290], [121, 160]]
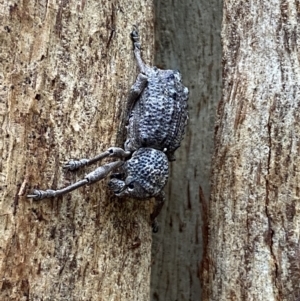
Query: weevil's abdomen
[[160, 114]]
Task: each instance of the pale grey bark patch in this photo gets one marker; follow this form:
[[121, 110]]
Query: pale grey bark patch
[[253, 246]]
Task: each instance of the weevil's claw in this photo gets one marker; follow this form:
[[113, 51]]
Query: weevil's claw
[[73, 165], [41, 194], [155, 226], [135, 37]]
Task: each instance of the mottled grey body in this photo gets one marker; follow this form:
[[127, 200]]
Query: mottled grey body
[[145, 174], [157, 115]]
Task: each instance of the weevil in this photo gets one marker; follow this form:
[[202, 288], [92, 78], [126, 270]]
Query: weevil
[[156, 117]]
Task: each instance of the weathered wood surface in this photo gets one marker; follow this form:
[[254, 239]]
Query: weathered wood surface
[[65, 70], [254, 217]]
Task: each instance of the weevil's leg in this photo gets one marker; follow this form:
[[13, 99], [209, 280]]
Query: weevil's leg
[[49, 193], [96, 175], [137, 50], [135, 91], [159, 202], [102, 171], [116, 152]]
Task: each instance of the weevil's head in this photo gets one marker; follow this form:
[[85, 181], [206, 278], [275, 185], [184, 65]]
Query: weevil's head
[[143, 176]]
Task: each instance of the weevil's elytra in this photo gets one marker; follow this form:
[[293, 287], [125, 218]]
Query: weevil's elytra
[[159, 116], [156, 118]]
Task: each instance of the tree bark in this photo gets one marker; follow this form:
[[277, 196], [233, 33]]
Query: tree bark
[[188, 39], [253, 250], [66, 69]]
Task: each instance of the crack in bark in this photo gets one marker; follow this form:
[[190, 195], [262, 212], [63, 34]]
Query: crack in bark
[[270, 230]]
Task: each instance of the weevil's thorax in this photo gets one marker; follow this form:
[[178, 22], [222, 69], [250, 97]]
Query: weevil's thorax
[[144, 175], [159, 116]]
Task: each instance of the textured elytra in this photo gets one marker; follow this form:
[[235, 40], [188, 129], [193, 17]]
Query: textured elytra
[[157, 116]]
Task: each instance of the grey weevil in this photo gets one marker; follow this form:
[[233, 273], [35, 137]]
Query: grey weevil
[[156, 117]]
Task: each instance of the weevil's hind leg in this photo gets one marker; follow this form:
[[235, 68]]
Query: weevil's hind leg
[[135, 91], [95, 176], [137, 50], [159, 202], [116, 152]]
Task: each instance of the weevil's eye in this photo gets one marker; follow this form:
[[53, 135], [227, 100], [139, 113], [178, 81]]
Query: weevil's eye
[[131, 185]]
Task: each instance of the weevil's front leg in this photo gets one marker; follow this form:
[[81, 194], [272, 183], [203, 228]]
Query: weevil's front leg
[[95, 176], [116, 152], [159, 202], [137, 50]]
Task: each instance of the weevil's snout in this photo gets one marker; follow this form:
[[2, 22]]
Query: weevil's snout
[[117, 186], [130, 187]]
